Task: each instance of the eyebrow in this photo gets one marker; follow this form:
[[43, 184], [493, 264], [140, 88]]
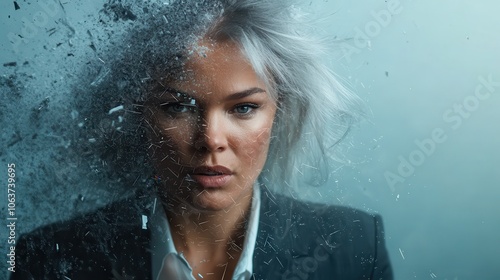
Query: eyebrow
[[233, 96], [245, 93]]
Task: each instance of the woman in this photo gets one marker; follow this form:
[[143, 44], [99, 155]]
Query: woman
[[223, 97]]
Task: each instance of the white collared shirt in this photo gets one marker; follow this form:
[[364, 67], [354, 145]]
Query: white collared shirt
[[167, 263]]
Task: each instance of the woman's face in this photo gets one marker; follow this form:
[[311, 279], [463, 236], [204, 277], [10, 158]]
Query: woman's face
[[211, 128]]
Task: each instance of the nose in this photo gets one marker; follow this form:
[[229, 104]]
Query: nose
[[212, 134]]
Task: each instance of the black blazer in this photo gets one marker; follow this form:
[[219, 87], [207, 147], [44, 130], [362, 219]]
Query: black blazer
[[295, 241]]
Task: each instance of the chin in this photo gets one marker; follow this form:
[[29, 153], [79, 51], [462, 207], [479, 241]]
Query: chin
[[211, 200]]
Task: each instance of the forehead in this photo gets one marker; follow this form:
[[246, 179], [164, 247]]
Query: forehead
[[215, 67]]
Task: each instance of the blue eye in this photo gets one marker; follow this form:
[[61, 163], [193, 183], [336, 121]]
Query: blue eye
[[176, 108], [245, 109]]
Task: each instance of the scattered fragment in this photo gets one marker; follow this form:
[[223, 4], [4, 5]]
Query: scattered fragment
[[14, 139], [103, 72], [116, 109], [51, 31], [401, 252], [39, 110], [119, 12], [10, 64], [74, 114], [16, 6], [144, 222]]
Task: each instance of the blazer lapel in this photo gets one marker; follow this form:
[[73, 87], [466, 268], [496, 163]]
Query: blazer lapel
[[278, 247]]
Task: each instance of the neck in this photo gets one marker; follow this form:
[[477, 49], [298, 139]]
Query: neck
[[197, 231]]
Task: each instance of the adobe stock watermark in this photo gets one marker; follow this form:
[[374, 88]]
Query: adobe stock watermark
[[31, 28], [372, 29], [455, 117]]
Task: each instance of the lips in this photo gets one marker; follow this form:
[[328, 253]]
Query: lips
[[212, 176]]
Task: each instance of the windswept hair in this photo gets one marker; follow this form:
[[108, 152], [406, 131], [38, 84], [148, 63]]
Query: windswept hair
[[314, 113]]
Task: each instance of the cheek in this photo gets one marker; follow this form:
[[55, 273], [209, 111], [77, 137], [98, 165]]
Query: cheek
[[256, 145], [170, 139]]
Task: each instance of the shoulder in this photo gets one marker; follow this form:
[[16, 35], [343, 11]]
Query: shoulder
[[334, 218], [98, 224], [318, 240], [323, 219], [85, 246]]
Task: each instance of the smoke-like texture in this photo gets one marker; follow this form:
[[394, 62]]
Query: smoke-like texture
[[413, 63]]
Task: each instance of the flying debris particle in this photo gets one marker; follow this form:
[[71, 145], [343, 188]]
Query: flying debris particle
[[92, 140], [199, 275], [57, 247], [119, 12], [16, 6], [280, 262], [11, 64], [74, 114], [401, 252], [433, 275], [103, 72], [14, 139], [144, 222], [116, 109], [51, 31], [386, 73], [37, 111]]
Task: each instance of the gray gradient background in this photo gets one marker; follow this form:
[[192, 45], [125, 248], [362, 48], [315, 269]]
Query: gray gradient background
[[442, 221]]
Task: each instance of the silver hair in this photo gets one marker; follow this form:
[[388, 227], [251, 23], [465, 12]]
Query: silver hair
[[315, 110]]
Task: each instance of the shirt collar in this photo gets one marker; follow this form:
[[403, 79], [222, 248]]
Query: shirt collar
[[162, 242]]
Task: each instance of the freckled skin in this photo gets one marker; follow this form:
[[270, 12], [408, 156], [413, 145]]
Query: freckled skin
[[221, 131]]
